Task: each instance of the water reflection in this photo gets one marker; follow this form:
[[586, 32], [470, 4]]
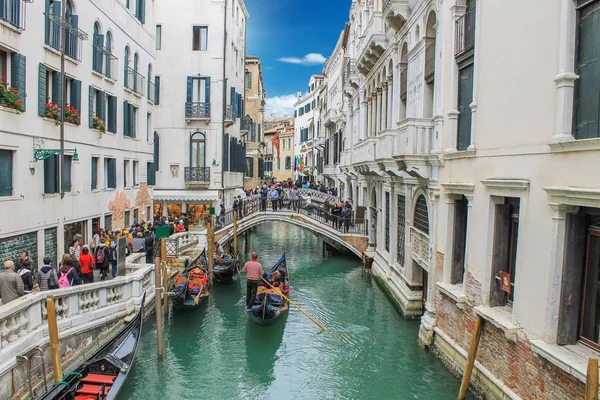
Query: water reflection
[[262, 344]]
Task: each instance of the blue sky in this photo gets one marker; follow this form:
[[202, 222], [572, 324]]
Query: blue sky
[[292, 38]]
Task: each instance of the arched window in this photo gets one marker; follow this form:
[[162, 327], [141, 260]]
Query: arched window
[[150, 85], [97, 46], [198, 150], [429, 65], [403, 80], [71, 37], [108, 51], [136, 59], [421, 217], [126, 66]]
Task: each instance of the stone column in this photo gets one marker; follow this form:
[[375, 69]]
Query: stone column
[[165, 211]]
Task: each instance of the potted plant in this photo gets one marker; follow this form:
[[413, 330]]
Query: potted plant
[[53, 112], [9, 96], [98, 123], [72, 115]]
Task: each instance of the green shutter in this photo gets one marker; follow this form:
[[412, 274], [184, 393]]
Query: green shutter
[[66, 185], [76, 96], [57, 88], [42, 95], [111, 123], [465, 98], [156, 90], [6, 172], [51, 175], [94, 173], [132, 122], [207, 88], [141, 11], [102, 110], [92, 93], [125, 118], [188, 91], [18, 72]]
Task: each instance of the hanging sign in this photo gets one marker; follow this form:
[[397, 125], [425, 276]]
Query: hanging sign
[[505, 282]]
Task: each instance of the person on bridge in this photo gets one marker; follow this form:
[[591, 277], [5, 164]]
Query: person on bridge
[[263, 198], [11, 284], [254, 271], [274, 197], [294, 198]]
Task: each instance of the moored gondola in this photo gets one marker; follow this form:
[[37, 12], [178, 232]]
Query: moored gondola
[[270, 304], [225, 268], [102, 376], [190, 286]]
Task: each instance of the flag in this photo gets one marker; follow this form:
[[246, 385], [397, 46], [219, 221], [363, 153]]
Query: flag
[[275, 141]]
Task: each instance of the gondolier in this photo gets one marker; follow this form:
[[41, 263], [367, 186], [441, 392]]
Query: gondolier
[[254, 271]]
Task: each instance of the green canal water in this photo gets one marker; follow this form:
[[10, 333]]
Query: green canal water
[[215, 352]]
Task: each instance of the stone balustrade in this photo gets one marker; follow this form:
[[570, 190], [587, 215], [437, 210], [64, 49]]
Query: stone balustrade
[[420, 247], [415, 137]]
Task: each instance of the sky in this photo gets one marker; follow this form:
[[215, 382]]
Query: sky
[[292, 38]]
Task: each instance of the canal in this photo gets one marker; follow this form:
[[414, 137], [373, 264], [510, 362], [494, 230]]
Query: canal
[[216, 353]]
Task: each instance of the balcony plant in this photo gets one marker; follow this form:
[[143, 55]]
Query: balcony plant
[[53, 112], [99, 124], [72, 115], [9, 96]]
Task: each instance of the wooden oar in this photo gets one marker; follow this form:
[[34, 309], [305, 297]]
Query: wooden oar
[[320, 325], [197, 298]]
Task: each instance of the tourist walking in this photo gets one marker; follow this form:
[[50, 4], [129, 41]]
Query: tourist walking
[[274, 197], [149, 238], [263, 198], [101, 258], [47, 278], [294, 198], [26, 275], [11, 284], [68, 275], [88, 264], [254, 271], [112, 256]]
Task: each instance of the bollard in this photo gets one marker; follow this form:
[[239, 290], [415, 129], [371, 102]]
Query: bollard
[[157, 288]]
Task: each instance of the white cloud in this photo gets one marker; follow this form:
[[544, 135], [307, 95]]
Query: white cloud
[[309, 59], [280, 105]]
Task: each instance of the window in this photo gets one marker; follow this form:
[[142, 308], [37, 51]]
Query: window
[[10, 11], [110, 173], [15, 75], [68, 162], [198, 97], [197, 150], [148, 126], [387, 221], [248, 80], [135, 173], [97, 49], [249, 167], [149, 213], [127, 219], [587, 87], [127, 81], [151, 174], [459, 240], [465, 98], [95, 162], [97, 107], [156, 152], [53, 29], [288, 162], [110, 69], [111, 114], [199, 38], [400, 251], [306, 108], [129, 119], [506, 229], [51, 175], [156, 89], [278, 163], [4, 63], [140, 11], [579, 315], [6, 172], [126, 181], [158, 37]]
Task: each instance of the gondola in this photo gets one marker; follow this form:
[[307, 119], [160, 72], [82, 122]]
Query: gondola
[[269, 304], [225, 268], [190, 286], [102, 376]]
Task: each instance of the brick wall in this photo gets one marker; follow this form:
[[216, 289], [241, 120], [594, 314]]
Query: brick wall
[[515, 364]]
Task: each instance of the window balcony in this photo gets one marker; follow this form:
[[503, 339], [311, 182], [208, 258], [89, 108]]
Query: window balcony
[[229, 115], [151, 92], [195, 110], [13, 13], [73, 36], [197, 175], [464, 41], [396, 13], [420, 247], [135, 81], [110, 65]]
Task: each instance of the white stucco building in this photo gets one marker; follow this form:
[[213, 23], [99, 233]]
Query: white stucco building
[[306, 116], [201, 66], [109, 62], [476, 159]]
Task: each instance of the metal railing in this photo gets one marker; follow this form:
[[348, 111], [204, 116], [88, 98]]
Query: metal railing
[[151, 92], [229, 113], [135, 81], [197, 110], [464, 39], [13, 12], [98, 58], [430, 61], [197, 174], [111, 65], [73, 38]]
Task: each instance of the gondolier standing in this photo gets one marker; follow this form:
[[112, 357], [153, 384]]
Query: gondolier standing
[[254, 270]]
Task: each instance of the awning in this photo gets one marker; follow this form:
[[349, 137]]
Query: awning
[[186, 195]]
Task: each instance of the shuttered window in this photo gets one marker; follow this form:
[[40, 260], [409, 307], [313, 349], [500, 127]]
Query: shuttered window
[[67, 163], [94, 169], [249, 167], [459, 240], [400, 252], [6, 172], [18, 74], [51, 175], [288, 162], [465, 98], [111, 117], [157, 90], [110, 173], [421, 217], [587, 100], [151, 174], [140, 11]]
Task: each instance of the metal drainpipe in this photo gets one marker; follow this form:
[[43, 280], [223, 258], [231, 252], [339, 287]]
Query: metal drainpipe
[[63, 88], [224, 102]]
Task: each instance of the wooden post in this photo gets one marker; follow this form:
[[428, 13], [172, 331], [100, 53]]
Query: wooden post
[[157, 283], [591, 381], [163, 249], [210, 237], [165, 276], [464, 386], [53, 333], [235, 234]]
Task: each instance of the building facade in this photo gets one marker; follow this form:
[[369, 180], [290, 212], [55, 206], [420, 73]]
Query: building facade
[[274, 165], [201, 154], [306, 116], [475, 173], [252, 124], [96, 174]]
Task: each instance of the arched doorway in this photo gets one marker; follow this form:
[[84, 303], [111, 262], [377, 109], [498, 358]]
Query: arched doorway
[[420, 242]]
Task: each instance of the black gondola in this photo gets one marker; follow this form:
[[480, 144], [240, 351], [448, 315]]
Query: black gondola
[[225, 268], [191, 284], [102, 376], [270, 304]]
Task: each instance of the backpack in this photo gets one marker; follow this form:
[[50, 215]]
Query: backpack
[[100, 253], [112, 254], [63, 281], [52, 280]]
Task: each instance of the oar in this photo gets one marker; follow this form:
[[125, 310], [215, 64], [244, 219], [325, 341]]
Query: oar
[[320, 325], [197, 298]]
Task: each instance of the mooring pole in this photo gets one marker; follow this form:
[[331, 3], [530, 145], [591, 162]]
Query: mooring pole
[[464, 386], [165, 278], [235, 234], [158, 311], [53, 333], [591, 381], [210, 235]]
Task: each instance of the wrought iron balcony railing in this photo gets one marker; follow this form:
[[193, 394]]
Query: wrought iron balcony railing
[[197, 174], [151, 92], [13, 12], [465, 33], [134, 81], [229, 113], [110, 65], [98, 58], [73, 36], [197, 110]]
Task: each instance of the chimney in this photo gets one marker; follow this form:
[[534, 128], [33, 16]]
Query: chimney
[[299, 93]]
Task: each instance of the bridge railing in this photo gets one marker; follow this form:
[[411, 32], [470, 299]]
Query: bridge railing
[[313, 210]]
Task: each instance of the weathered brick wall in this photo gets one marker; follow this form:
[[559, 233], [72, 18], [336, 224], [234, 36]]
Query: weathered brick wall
[[515, 364]]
